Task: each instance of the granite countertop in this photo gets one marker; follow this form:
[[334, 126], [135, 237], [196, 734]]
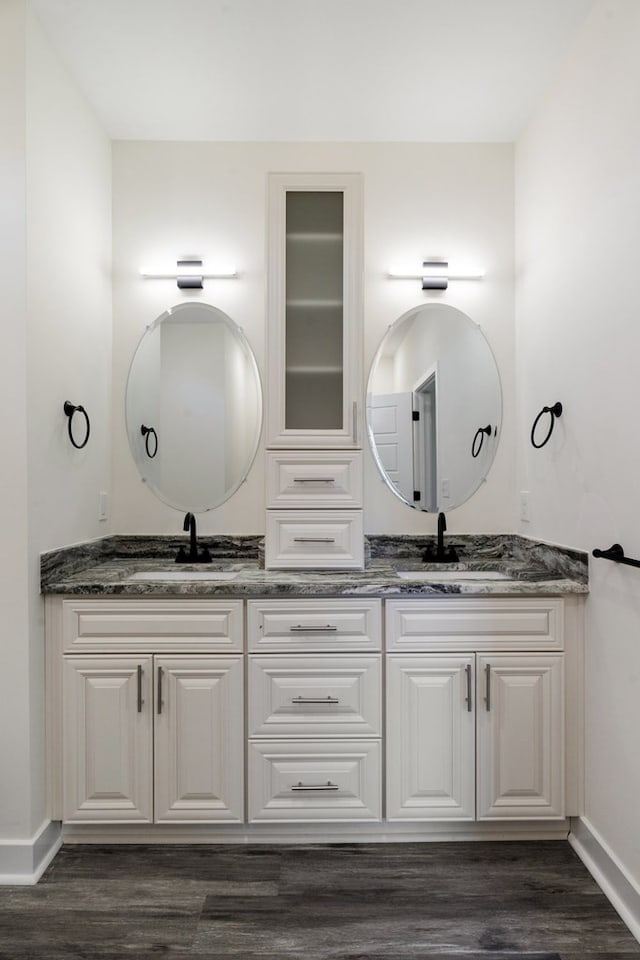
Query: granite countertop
[[136, 566]]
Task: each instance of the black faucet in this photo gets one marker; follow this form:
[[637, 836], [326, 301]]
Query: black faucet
[[193, 556], [450, 555]]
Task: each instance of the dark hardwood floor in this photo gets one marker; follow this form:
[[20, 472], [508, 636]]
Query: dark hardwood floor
[[495, 901]]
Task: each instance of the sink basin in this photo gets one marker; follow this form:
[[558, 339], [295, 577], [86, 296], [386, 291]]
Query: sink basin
[[451, 576], [183, 575]]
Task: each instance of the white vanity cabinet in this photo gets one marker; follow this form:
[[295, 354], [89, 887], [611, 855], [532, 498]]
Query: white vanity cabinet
[[314, 386], [315, 717], [478, 735], [345, 718], [146, 720]]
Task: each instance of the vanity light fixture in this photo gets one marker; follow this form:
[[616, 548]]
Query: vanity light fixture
[[435, 274], [188, 274]]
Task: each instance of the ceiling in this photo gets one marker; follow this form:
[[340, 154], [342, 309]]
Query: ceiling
[[346, 70]]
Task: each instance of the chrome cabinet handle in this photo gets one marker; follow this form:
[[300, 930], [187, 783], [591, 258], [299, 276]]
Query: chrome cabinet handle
[[487, 697], [315, 700], [355, 421], [140, 700], [468, 699], [314, 479], [312, 628], [314, 539], [160, 672], [315, 786]]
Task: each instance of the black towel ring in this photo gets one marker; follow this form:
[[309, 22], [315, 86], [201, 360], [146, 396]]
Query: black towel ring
[[555, 411], [480, 434], [146, 433], [70, 409]]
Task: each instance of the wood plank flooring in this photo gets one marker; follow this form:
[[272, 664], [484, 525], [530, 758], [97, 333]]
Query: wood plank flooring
[[432, 901]]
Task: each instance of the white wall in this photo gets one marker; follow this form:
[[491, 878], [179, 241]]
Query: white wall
[[15, 793], [172, 199], [55, 240], [69, 300], [578, 322]]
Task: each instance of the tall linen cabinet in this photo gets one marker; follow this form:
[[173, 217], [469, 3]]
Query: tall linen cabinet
[[314, 387]]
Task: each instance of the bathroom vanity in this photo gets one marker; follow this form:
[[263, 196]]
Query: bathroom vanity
[[317, 684], [265, 704]]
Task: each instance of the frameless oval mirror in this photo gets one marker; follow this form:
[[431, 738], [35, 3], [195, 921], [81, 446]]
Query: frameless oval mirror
[[434, 407], [193, 407]]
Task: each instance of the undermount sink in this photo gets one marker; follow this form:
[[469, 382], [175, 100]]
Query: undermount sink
[[451, 576], [184, 575]]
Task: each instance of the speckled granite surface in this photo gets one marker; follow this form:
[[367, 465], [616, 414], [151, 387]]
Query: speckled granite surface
[[105, 567]]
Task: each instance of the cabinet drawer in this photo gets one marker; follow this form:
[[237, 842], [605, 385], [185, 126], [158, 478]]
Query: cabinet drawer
[[314, 696], [322, 539], [478, 624], [314, 479], [314, 781], [314, 625], [152, 625]]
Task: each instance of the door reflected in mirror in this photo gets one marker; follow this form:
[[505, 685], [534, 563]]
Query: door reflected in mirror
[[434, 407], [193, 407]]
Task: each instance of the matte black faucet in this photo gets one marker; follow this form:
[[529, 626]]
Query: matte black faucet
[[450, 555], [193, 556]]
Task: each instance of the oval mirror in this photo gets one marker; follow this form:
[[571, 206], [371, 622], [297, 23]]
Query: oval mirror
[[193, 407], [434, 407]]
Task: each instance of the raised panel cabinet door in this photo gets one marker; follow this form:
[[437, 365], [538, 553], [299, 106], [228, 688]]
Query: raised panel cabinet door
[[199, 739], [430, 738], [520, 728], [107, 739]]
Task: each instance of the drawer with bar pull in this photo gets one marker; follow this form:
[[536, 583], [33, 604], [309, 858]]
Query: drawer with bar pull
[[314, 539], [344, 625], [314, 696], [314, 479], [314, 781]]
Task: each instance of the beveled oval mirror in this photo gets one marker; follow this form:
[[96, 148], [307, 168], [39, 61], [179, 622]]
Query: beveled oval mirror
[[193, 407], [434, 407]]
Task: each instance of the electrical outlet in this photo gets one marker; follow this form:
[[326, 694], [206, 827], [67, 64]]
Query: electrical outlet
[[525, 513], [103, 505], [444, 488]]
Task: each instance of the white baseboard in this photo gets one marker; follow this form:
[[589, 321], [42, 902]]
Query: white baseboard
[[607, 871], [22, 862]]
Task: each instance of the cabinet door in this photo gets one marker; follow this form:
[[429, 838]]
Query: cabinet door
[[520, 762], [199, 739], [430, 738], [107, 739], [314, 309]]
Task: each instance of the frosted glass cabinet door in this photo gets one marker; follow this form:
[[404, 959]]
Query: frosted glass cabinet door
[[314, 309], [108, 736]]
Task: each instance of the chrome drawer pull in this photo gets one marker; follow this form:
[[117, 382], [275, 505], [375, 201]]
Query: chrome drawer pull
[[160, 671], [301, 628], [315, 700], [314, 539], [140, 700], [487, 699], [315, 786], [314, 480]]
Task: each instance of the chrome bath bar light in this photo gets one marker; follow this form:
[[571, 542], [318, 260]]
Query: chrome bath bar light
[[435, 274], [188, 274]]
